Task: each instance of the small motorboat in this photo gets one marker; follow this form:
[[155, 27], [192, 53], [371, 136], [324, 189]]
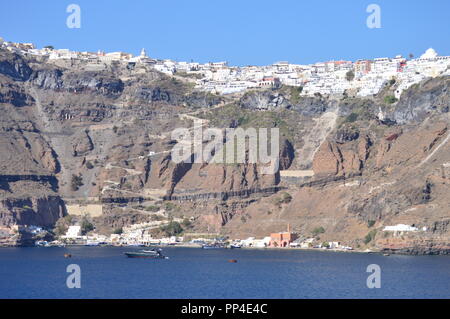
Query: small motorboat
[[213, 246], [92, 243], [152, 253], [232, 261], [41, 243]]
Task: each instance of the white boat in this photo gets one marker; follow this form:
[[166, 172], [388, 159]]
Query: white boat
[[41, 243], [92, 243]]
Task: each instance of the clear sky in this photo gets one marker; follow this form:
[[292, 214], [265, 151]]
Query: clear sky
[[242, 32]]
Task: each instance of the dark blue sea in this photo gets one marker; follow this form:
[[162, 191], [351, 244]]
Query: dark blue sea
[[197, 273]]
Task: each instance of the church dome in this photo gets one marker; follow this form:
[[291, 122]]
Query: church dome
[[429, 54]]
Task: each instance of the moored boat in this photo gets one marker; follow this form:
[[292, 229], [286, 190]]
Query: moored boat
[[153, 253], [213, 246], [92, 243], [41, 243]]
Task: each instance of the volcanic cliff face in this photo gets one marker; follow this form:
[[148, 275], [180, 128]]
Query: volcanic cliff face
[[74, 135]]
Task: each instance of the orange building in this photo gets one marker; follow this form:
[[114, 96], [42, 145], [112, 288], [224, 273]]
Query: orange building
[[282, 239]]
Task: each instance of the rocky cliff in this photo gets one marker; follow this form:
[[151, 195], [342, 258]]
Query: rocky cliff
[[70, 135]]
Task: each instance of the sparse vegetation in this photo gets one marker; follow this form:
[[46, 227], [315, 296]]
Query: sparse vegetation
[[170, 206], [118, 231], [172, 229], [353, 117], [350, 75], [370, 223], [157, 218], [197, 76], [370, 236], [186, 223], [390, 99], [127, 186], [318, 230], [62, 225], [152, 208], [294, 92], [285, 198], [246, 118], [76, 182], [86, 225]]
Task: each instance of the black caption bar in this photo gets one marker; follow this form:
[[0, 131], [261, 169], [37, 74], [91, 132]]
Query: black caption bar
[[218, 308]]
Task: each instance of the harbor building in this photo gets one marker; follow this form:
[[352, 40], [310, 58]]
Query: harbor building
[[282, 239]]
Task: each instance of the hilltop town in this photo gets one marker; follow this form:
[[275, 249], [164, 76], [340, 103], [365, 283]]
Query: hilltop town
[[361, 78]]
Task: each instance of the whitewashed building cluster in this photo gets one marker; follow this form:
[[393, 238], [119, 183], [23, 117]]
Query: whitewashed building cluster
[[361, 78]]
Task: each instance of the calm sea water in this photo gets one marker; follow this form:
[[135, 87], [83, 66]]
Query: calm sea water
[[197, 273]]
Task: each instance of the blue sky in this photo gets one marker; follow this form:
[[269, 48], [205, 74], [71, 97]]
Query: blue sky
[[242, 32]]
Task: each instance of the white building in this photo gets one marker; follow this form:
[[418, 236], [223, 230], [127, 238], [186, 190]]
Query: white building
[[64, 54], [73, 232], [400, 228]]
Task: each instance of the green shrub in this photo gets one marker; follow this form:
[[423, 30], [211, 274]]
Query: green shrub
[[350, 75], [157, 217], [172, 229], [86, 225], [295, 93], [370, 236], [76, 182], [152, 208], [318, 230], [61, 227], [285, 198], [186, 223], [170, 206], [351, 118], [390, 99], [370, 223]]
